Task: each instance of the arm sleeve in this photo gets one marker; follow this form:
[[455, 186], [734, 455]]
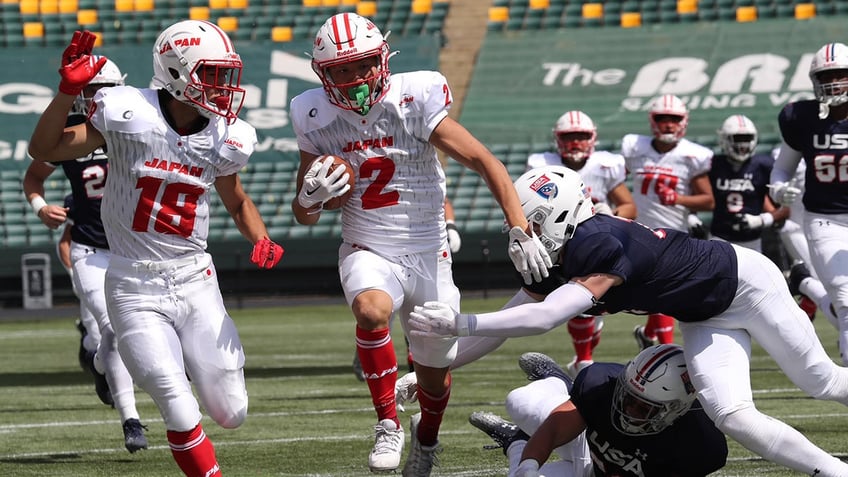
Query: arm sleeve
[[530, 319], [785, 165]]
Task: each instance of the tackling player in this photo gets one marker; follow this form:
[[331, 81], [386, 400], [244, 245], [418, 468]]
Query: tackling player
[[724, 296], [89, 254], [395, 251], [816, 131], [656, 428], [167, 148], [669, 182]]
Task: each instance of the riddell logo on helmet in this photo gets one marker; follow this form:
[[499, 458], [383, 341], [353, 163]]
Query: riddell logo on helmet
[[195, 41], [343, 53]]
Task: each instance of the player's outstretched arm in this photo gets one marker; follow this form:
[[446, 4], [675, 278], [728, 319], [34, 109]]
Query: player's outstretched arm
[[51, 141], [266, 254]]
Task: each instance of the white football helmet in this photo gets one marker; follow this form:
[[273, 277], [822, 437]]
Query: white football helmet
[[554, 201], [669, 104], [738, 137], [575, 122], [109, 75], [345, 38], [652, 391], [832, 56], [195, 61]]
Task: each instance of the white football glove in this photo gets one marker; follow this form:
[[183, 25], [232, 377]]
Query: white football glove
[[602, 208], [527, 468], [528, 255], [784, 193], [437, 320], [454, 241], [319, 186], [406, 390], [745, 222]]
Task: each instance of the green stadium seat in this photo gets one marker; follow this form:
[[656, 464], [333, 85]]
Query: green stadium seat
[[551, 22], [612, 19], [708, 15], [515, 24], [631, 6], [669, 17], [650, 17], [688, 17], [766, 11], [727, 14]]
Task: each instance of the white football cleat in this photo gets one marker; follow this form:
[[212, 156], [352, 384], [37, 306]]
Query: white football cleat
[[573, 368], [388, 447]]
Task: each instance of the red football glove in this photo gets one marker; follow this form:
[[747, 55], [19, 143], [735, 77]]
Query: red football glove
[[78, 66], [266, 254], [666, 194]]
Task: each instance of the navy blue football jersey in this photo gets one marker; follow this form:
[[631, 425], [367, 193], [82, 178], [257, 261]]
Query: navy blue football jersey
[[692, 446], [87, 176], [824, 145], [663, 270], [738, 188]]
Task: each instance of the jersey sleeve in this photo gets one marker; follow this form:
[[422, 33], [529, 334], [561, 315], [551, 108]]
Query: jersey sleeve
[[596, 254], [237, 147], [436, 100], [298, 113], [784, 121], [628, 145]]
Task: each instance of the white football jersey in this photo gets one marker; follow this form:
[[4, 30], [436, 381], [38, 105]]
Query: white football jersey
[[675, 169], [397, 205], [602, 172], [156, 203]]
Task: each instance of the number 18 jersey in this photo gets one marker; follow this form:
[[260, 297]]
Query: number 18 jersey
[[156, 203]]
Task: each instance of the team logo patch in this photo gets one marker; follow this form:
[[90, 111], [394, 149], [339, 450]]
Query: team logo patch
[[544, 187], [233, 143]]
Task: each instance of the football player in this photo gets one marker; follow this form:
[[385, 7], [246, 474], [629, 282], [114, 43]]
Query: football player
[[89, 256], [604, 175], [669, 182], [816, 131], [656, 427], [724, 296], [739, 179], [395, 251], [167, 147]]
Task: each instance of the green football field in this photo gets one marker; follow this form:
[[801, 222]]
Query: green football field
[[308, 415]]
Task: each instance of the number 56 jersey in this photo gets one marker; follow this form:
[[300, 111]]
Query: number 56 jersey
[[652, 169], [156, 202]]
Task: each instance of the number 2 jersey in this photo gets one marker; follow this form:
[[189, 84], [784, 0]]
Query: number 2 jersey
[[675, 169], [824, 145], [397, 205], [156, 204]]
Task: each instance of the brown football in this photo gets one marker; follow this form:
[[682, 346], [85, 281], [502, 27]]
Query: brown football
[[338, 202]]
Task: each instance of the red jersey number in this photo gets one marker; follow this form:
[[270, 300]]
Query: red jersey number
[[175, 212]]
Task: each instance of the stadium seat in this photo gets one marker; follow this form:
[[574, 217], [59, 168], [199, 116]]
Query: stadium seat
[[631, 19], [805, 11]]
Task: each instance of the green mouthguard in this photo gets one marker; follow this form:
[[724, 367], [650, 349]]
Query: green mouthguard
[[360, 95]]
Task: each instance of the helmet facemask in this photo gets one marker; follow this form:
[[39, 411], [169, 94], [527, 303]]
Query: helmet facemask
[[361, 94], [214, 89], [575, 135], [668, 105]]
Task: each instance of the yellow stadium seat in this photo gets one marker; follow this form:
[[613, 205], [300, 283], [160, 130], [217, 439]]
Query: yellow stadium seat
[[539, 4], [48, 7], [350, 2], [804, 11], [281, 33], [228, 24], [311, 3], [746, 14], [68, 6], [198, 13], [87, 17], [124, 5], [593, 10], [28, 7], [631, 19], [422, 7], [332, 3], [33, 30], [144, 5], [687, 6], [366, 9], [498, 14], [98, 39], [238, 4]]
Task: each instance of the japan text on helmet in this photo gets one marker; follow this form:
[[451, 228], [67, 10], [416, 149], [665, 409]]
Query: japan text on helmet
[[671, 105], [830, 57], [345, 38], [652, 391], [575, 122], [196, 63], [109, 75], [738, 137], [554, 200]]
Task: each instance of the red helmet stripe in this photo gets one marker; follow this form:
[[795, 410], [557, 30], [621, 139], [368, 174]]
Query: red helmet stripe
[[348, 32]]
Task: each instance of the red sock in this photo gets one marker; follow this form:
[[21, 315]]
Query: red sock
[[582, 331], [194, 453], [662, 326], [379, 364], [809, 307], [432, 410]]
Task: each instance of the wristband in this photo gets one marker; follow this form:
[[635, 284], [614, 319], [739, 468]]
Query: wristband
[[450, 225], [768, 219], [37, 204]]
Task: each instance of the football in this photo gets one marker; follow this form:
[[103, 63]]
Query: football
[[338, 202]]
